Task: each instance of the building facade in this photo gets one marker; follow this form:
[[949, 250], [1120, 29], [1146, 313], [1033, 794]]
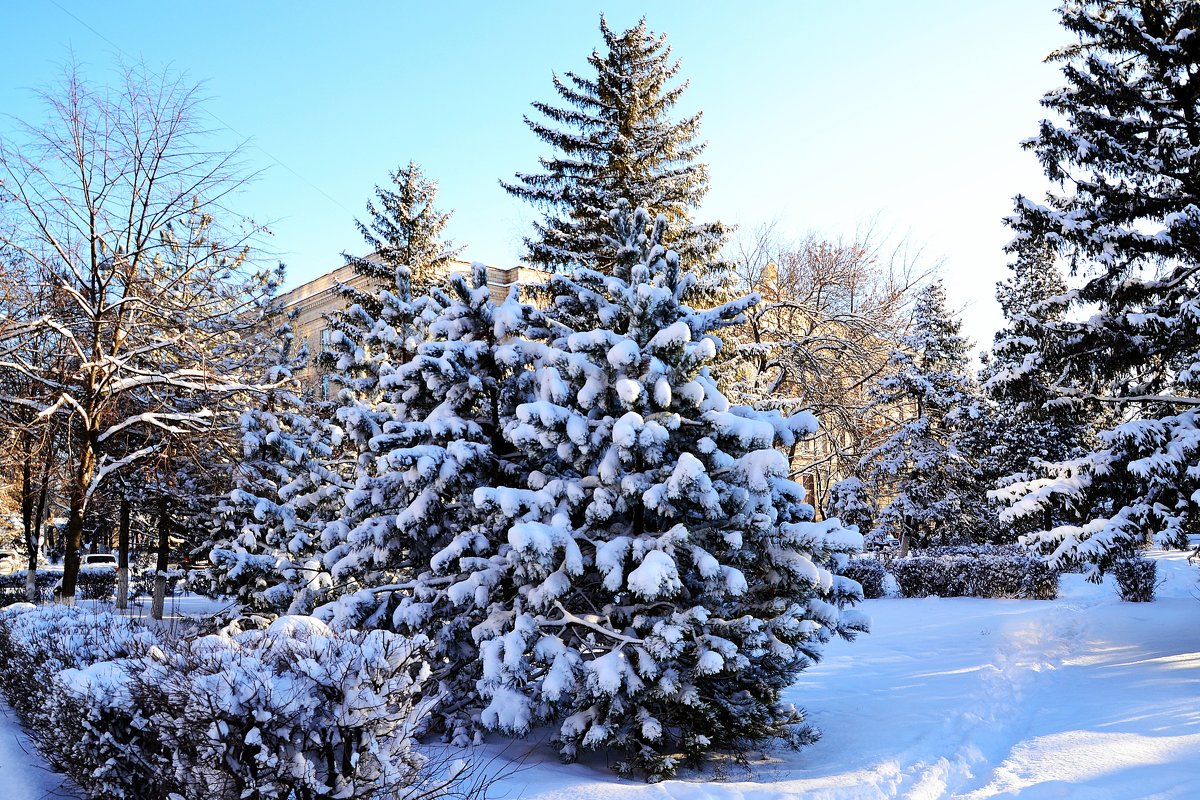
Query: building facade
[[312, 303]]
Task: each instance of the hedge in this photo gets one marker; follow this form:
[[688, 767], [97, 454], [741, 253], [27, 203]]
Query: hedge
[[293, 712], [975, 571]]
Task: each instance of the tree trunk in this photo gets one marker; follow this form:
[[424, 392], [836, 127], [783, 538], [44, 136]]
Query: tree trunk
[[123, 555], [906, 528], [83, 477], [164, 550], [31, 537], [27, 494], [34, 543]]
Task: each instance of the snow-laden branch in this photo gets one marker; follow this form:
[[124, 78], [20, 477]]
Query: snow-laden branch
[[109, 467], [571, 619], [1136, 398], [160, 420], [66, 399]]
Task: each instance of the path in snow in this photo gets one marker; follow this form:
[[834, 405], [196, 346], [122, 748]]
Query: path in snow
[[24, 774], [1082, 697]]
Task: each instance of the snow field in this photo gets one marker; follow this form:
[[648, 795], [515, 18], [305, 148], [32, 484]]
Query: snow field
[[1085, 697]]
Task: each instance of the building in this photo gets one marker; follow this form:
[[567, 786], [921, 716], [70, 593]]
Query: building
[[313, 302]]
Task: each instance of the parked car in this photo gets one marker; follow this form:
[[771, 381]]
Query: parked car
[[10, 562], [93, 560]]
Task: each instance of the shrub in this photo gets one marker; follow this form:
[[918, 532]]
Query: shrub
[[61, 673], [293, 711], [12, 586], [975, 571], [97, 583], [290, 711], [1136, 578], [869, 573], [142, 584]]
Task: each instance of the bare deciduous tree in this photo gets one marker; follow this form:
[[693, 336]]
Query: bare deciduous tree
[[830, 315], [111, 208]]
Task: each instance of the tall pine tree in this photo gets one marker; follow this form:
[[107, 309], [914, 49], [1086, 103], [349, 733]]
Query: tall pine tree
[[923, 466], [614, 139], [1127, 220]]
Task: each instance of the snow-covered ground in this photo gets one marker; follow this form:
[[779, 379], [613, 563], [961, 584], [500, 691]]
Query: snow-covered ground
[[1082, 697], [24, 775]]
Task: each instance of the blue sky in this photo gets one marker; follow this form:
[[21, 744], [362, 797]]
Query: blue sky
[[823, 117]]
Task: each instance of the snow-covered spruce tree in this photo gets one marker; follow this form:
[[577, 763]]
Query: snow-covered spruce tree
[[286, 489], [429, 441], [921, 467], [1029, 425], [850, 501], [408, 257], [421, 403], [651, 579], [373, 342], [405, 230], [372, 338], [1127, 221], [613, 138]]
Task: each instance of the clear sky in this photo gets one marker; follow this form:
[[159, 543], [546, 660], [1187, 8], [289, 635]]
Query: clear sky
[[824, 117]]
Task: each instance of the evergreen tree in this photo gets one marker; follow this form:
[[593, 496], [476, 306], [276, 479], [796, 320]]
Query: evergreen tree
[[1029, 426], [922, 465], [427, 441], [614, 139], [286, 489], [422, 400], [647, 576], [408, 257], [405, 230], [850, 501], [1127, 221]]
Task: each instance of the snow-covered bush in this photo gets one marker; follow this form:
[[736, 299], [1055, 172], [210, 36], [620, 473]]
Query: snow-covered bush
[[96, 584], [870, 574], [13, 586], [60, 668], [293, 711], [1136, 577], [38, 642], [142, 584], [978, 571]]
